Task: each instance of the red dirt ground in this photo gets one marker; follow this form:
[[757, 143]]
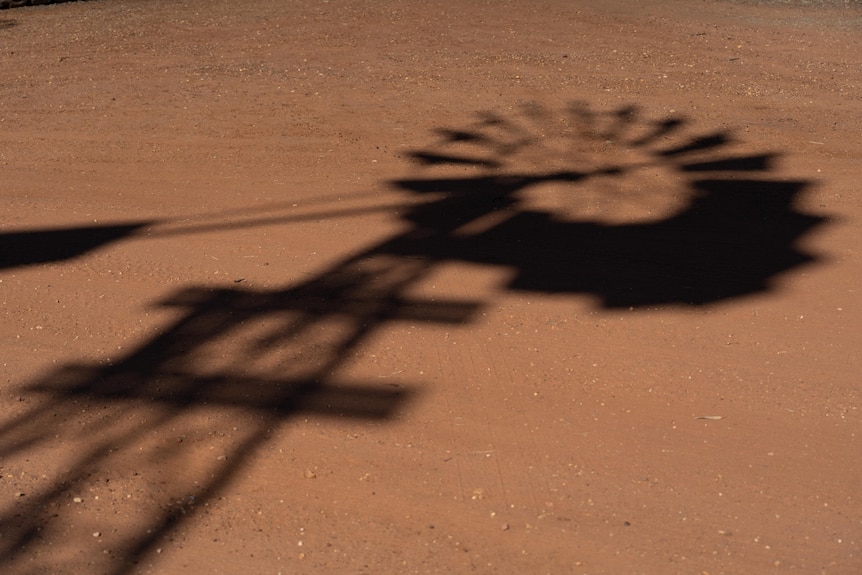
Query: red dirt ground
[[420, 287]]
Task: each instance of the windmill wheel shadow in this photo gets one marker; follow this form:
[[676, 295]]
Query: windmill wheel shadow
[[628, 210], [635, 212]]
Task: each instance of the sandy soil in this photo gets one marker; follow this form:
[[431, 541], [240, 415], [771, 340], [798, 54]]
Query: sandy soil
[[420, 287]]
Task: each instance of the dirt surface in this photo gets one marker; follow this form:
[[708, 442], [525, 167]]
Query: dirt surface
[[420, 287]]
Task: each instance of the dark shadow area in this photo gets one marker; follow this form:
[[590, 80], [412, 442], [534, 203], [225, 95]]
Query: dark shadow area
[[730, 233], [27, 248], [726, 229], [22, 3], [7, 23], [733, 238], [283, 351]]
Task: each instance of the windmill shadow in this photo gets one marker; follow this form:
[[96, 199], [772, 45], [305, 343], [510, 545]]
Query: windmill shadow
[[631, 211]]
